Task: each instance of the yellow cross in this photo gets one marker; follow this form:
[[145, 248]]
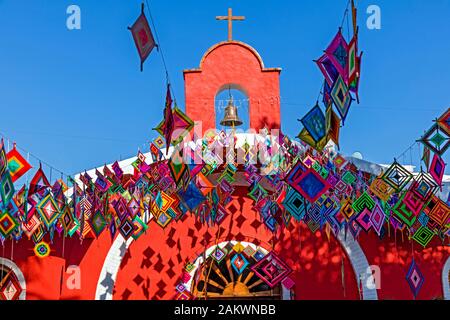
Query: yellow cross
[[230, 19]]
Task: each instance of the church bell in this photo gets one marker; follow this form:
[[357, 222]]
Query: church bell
[[231, 118]]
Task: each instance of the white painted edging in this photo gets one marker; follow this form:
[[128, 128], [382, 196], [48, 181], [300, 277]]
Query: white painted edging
[[359, 263], [20, 277], [445, 279], [111, 265]]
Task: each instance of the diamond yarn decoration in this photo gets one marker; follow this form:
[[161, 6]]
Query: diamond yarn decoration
[[288, 283], [314, 123], [219, 254], [6, 189], [134, 207], [271, 223], [423, 219], [30, 226], [315, 213], [10, 288], [183, 296], [437, 169], [364, 219], [340, 186], [403, 213], [7, 224], [308, 139], [348, 177], [17, 164], [436, 139], [140, 227], [363, 202], [381, 189], [239, 263], [310, 185], [48, 210], [413, 202], [347, 209], [339, 161], [39, 234], [328, 69], [259, 254], [397, 176], [126, 228], [415, 278], [377, 218], [66, 219], [248, 251], [337, 52], [423, 236], [295, 173], [163, 219], [440, 213], [178, 168], [444, 121], [424, 186], [166, 201], [238, 247], [192, 196], [271, 269], [98, 223], [257, 192], [295, 204], [121, 208], [341, 98], [182, 125]]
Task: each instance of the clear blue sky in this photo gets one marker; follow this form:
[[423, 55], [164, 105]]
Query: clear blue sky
[[77, 99]]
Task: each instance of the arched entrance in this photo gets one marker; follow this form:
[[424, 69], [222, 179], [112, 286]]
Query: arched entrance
[[231, 270], [446, 279], [12, 281]]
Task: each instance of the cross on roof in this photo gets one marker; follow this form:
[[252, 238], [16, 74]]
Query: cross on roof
[[230, 19]]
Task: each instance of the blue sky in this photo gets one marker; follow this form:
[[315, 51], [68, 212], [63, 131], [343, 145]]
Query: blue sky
[[77, 99]]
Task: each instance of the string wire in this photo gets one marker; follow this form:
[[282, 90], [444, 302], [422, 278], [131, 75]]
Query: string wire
[[345, 14], [160, 50], [29, 154]]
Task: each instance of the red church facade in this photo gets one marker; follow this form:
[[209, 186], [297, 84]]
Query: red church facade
[[324, 266]]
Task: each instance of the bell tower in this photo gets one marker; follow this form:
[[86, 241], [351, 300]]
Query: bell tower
[[233, 64]]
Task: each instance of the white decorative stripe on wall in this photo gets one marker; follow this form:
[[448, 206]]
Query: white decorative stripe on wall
[[20, 277], [446, 279], [111, 265], [359, 263]]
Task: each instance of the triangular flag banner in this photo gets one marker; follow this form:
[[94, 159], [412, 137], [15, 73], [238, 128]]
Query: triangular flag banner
[[168, 119], [143, 37], [426, 157]]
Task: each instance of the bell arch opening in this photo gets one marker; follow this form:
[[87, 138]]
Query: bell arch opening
[[234, 95]]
